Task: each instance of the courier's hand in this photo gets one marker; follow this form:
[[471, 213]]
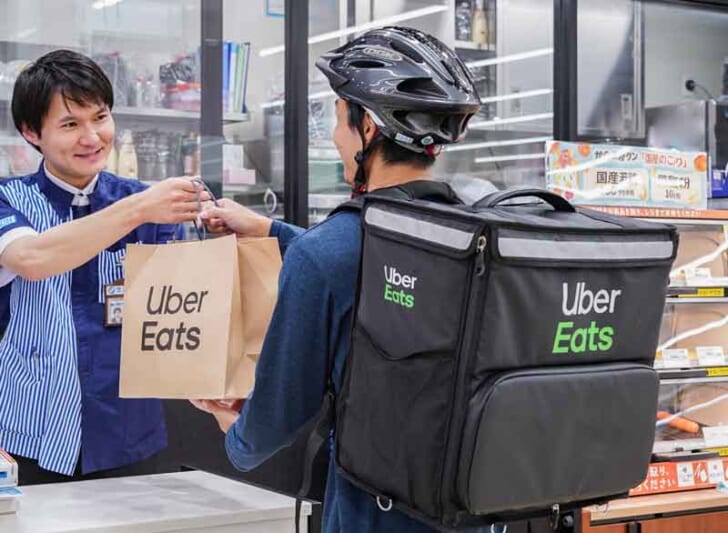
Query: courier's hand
[[229, 216], [172, 201], [226, 412]]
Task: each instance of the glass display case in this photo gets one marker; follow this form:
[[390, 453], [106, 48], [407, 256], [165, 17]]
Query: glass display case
[[253, 84], [150, 52], [508, 47], [693, 343]]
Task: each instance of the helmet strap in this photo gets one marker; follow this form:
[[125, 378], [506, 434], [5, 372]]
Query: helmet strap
[[360, 179]]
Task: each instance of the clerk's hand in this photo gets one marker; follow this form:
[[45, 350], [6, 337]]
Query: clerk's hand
[[231, 217], [171, 201], [226, 412]]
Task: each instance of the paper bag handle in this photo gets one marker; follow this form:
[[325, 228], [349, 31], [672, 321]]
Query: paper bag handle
[[201, 235]]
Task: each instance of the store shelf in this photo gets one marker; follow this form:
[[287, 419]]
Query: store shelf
[[158, 113], [669, 446], [693, 375], [696, 300], [470, 45], [172, 114], [704, 294], [235, 117]]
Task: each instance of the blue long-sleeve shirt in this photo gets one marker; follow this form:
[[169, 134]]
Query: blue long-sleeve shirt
[[311, 321]]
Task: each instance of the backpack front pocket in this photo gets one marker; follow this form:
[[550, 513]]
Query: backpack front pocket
[[542, 436]]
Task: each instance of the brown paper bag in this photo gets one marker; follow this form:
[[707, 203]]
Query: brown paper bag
[[195, 316]]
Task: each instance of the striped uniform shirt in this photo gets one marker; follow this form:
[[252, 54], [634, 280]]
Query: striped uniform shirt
[[59, 363]]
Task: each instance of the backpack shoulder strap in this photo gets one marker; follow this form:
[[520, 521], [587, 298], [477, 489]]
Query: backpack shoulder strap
[[321, 425], [434, 191]]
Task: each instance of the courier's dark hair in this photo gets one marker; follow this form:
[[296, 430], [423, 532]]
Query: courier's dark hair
[[74, 76], [390, 151]]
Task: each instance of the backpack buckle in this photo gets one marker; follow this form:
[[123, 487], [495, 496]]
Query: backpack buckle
[[555, 514], [384, 508]]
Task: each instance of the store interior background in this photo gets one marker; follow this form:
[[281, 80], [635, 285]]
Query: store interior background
[[630, 56]]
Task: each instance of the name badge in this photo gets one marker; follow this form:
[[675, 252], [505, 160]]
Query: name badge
[[114, 293]]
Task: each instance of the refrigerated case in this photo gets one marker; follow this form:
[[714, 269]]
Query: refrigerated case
[[693, 343]]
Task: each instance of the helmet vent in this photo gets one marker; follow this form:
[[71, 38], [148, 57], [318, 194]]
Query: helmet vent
[[407, 50], [420, 87], [366, 63]]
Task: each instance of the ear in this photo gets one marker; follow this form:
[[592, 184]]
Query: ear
[[369, 128], [29, 135]]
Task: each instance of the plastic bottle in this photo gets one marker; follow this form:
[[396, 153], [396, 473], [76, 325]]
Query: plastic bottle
[[112, 162], [189, 153], [4, 164], [127, 162], [480, 26], [463, 21]]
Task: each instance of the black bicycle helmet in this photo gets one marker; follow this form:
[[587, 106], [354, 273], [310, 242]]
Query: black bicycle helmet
[[417, 91]]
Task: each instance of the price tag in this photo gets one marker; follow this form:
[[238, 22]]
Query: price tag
[[676, 358], [715, 471], [715, 436], [685, 474], [698, 277], [712, 292], [710, 355]]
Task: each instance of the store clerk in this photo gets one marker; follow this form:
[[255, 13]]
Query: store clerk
[[63, 232]]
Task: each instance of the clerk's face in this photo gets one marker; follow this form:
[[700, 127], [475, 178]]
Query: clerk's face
[[75, 139]]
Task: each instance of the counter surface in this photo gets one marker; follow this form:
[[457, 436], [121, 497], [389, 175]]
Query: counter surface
[[186, 501]]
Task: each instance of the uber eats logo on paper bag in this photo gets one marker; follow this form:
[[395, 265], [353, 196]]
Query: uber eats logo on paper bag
[[585, 302], [394, 287], [168, 303]]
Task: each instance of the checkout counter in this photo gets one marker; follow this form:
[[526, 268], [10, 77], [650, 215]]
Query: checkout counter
[[191, 501]]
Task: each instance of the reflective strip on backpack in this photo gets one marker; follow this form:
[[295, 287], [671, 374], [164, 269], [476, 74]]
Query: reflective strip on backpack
[[529, 248], [427, 231]]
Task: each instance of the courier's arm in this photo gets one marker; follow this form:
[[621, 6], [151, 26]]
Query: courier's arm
[[285, 233], [228, 216], [290, 376]]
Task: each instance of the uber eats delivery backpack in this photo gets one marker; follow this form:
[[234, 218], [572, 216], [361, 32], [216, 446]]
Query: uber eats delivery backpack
[[501, 356]]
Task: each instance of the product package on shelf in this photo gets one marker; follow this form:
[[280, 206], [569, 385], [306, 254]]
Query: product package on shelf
[[9, 491], [693, 335], [702, 260]]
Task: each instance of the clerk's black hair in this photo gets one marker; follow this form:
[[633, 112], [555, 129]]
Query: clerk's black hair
[[74, 76]]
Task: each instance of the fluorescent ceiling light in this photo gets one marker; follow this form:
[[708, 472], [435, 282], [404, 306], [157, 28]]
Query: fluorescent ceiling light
[[24, 34], [313, 96], [407, 15], [519, 157], [485, 124], [510, 58], [101, 4], [516, 96], [493, 144]]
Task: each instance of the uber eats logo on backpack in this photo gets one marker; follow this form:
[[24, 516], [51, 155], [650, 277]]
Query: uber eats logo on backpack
[[587, 335], [394, 288], [168, 303]]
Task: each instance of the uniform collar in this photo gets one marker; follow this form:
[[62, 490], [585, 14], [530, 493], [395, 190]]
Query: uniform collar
[[80, 196], [62, 199]]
